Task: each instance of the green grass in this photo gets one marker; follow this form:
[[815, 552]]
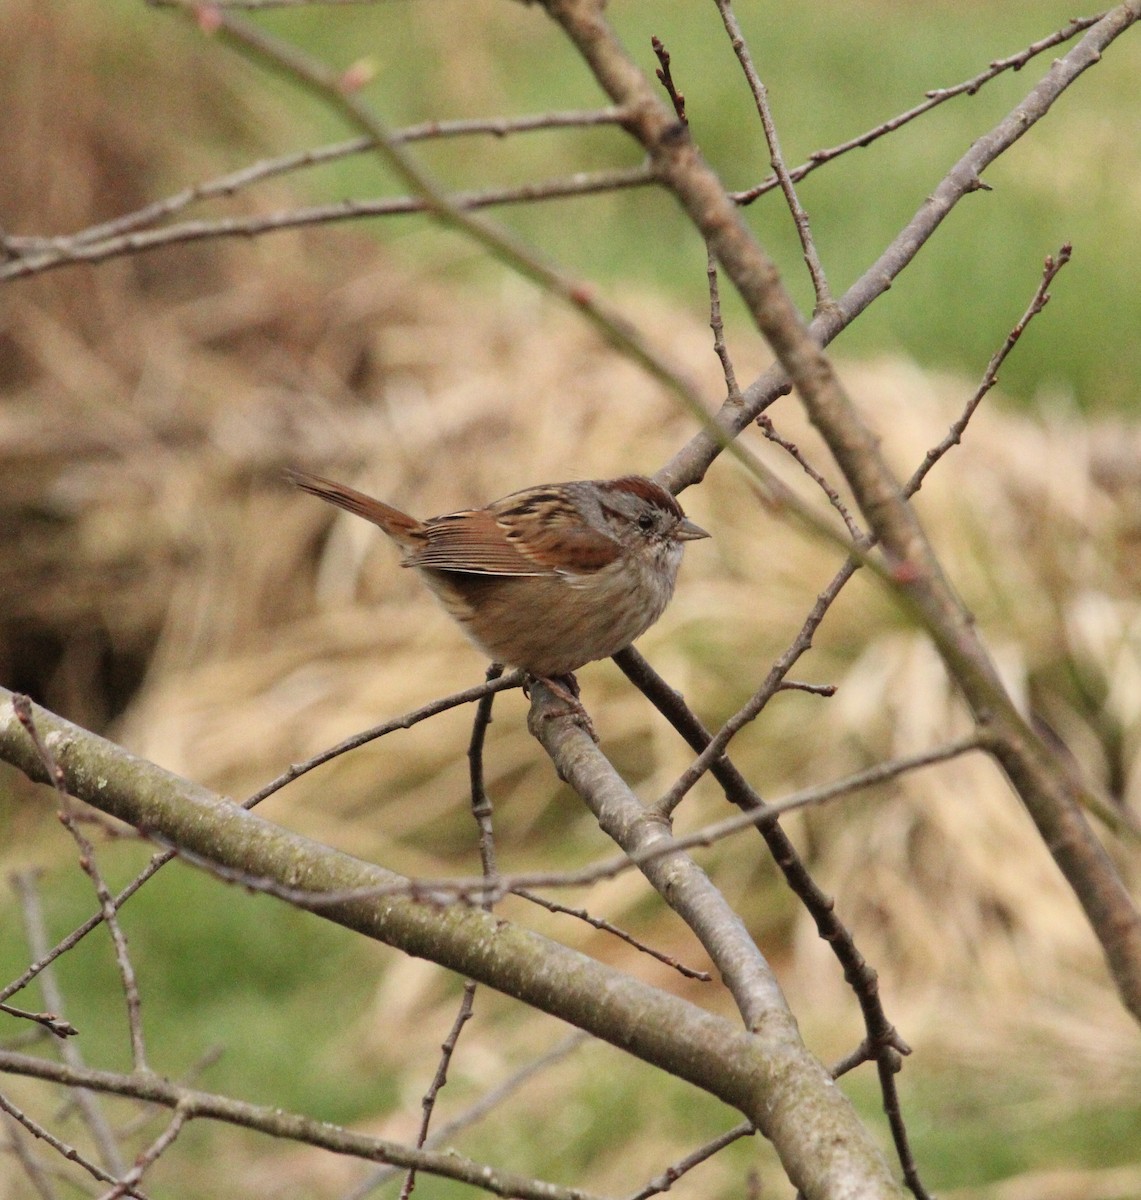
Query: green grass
[[218, 968], [972, 1128], [831, 73]]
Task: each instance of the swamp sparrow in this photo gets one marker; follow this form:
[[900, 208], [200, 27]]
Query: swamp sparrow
[[546, 579]]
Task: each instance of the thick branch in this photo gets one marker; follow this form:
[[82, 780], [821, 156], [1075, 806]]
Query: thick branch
[[760, 1076], [645, 836], [822, 1145], [1041, 780]]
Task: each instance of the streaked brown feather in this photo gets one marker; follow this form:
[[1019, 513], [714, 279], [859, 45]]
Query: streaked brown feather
[[504, 539], [560, 538], [472, 541]]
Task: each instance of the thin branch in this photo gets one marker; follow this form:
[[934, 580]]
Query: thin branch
[[149, 1156], [481, 891], [22, 707], [52, 1022], [269, 168], [864, 1052], [787, 185], [60, 1147], [670, 1176], [440, 1078], [34, 256], [481, 811], [766, 426], [92, 922], [90, 1110], [732, 390], [35, 1172], [1050, 269], [194, 1104], [477, 1111], [607, 927], [935, 97], [666, 79]]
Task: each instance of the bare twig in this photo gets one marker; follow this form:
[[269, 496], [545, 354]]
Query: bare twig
[[483, 891], [52, 1022], [60, 1147], [194, 1104], [32, 1168], [477, 1111], [90, 1110], [1014, 62], [787, 185], [440, 1078], [670, 1176], [607, 927], [480, 801], [479, 890], [34, 256], [92, 922], [766, 426], [23, 709], [666, 79], [1050, 269], [235, 181], [150, 1155], [813, 689], [732, 390], [481, 811]]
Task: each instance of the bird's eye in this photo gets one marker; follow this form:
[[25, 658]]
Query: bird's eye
[[645, 522]]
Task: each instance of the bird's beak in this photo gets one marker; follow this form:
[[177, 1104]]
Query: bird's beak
[[689, 531]]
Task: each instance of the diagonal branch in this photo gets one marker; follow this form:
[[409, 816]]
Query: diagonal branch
[[690, 463], [1043, 783], [194, 1104], [765, 1075], [644, 835]]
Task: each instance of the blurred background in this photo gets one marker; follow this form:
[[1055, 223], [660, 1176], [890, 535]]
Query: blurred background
[[159, 585]]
